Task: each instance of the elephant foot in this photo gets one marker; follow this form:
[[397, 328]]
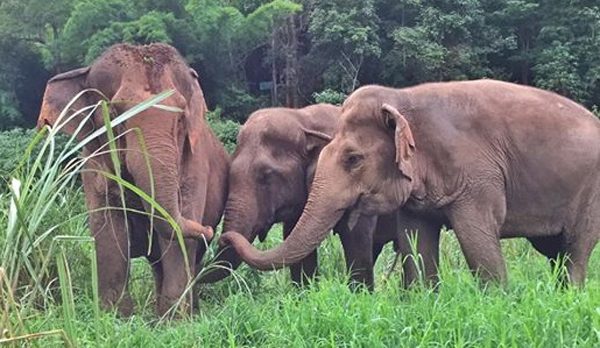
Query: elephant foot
[[123, 304], [192, 229], [171, 306]]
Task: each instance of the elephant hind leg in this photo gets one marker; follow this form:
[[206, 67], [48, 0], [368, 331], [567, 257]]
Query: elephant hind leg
[[358, 251], [577, 251], [553, 248], [305, 270]]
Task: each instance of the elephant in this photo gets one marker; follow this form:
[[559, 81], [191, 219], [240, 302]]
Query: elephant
[[187, 174], [269, 179], [492, 159]]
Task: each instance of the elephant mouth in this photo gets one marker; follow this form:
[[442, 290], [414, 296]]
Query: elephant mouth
[[372, 205], [262, 230], [288, 213]]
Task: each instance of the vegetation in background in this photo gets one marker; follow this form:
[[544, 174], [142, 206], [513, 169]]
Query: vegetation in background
[[258, 53], [226, 130]]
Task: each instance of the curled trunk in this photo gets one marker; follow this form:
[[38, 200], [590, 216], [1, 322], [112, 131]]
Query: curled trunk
[[237, 217], [313, 226]]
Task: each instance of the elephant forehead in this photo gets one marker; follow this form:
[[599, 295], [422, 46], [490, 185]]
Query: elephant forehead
[[150, 67], [359, 114]]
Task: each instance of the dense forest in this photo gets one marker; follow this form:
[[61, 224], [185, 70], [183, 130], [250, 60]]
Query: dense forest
[[254, 53]]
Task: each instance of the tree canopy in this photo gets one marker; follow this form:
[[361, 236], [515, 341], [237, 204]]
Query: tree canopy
[[257, 53]]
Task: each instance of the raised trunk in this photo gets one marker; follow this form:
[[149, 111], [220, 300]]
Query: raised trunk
[[164, 179], [313, 226]]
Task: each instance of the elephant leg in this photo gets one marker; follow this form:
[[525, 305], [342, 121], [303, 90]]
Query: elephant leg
[[358, 250], [175, 277], [377, 248], [418, 245], [476, 223], [553, 248], [110, 231], [306, 269], [580, 245]]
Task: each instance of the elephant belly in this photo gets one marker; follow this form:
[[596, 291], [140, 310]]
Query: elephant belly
[[532, 223]]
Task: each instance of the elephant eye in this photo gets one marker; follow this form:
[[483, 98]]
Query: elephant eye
[[264, 176], [352, 160]]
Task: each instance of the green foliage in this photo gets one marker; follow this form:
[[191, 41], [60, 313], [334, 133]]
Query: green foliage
[[151, 27], [226, 130], [226, 38], [329, 96], [344, 34], [240, 104], [306, 46], [10, 115], [14, 143], [264, 309]]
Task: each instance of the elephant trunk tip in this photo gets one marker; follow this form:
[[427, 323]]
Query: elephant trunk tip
[[222, 266], [234, 239], [247, 252], [194, 230]]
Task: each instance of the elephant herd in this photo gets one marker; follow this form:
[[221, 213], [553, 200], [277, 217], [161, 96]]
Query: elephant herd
[[488, 159]]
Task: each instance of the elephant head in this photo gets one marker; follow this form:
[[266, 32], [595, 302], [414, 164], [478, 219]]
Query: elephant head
[[370, 167], [127, 75], [271, 172]]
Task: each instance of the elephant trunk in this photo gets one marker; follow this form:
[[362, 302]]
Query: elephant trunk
[[313, 226], [163, 177], [237, 217]]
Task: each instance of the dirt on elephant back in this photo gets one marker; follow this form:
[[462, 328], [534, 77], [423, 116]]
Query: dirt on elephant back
[[153, 58]]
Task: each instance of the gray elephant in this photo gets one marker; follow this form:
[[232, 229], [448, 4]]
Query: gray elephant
[[493, 159], [188, 166], [270, 177]]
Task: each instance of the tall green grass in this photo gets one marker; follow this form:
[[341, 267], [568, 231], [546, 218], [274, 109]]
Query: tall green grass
[[48, 295]]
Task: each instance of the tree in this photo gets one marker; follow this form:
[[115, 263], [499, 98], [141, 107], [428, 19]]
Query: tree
[[226, 38], [343, 34], [442, 40]]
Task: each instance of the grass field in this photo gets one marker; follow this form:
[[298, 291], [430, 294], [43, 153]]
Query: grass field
[[266, 310], [257, 309]]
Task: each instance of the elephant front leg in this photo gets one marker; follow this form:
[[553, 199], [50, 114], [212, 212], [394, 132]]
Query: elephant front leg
[[305, 270], [176, 277], [112, 255], [476, 223], [358, 250], [109, 228], [418, 244]]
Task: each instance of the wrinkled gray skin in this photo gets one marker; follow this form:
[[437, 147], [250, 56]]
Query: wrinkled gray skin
[[494, 159], [189, 167], [270, 176]]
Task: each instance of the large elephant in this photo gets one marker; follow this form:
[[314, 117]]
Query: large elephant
[[494, 159], [188, 165], [269, 179]]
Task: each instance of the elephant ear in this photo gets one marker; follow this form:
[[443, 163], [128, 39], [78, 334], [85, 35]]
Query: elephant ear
[[315, 141], [195, 112], [60, 90], [403, 139]]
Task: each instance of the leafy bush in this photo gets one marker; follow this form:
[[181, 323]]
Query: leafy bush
[[13, 144], [9, 110], [329, 96], [225, 130], [596, 110], [238, 103]]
